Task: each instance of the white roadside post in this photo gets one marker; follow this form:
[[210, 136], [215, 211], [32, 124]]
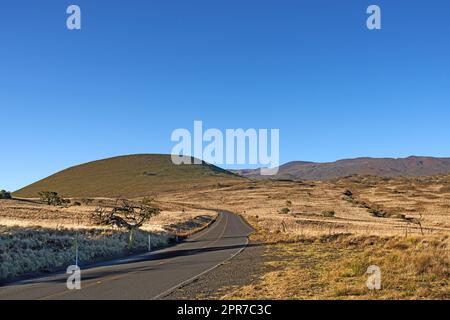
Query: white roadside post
[[149, 243], [76, 250]]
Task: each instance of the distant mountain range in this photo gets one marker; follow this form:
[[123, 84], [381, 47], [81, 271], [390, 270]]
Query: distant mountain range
[[147, 174], [386, 167]]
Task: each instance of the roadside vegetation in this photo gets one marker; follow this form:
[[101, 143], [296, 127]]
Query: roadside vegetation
[[40, 250], [37, 238]]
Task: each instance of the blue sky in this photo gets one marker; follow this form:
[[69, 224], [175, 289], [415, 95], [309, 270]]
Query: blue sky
[[140, 69]]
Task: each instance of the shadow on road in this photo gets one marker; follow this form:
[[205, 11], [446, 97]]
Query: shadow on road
[[129, 265]]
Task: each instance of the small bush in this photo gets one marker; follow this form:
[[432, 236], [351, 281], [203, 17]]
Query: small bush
[[284, 211], [5, 194], [52, 198], [288, 203], [348, 193], [329, 214], [86, 201], [377, 213]]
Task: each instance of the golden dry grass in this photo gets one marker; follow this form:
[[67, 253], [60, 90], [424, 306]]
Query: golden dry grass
[[335, 268], [322, 247], [26, 213], [414, 259], [310, 202]]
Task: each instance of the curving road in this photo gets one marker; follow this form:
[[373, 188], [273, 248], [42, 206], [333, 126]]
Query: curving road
[[146, 276]]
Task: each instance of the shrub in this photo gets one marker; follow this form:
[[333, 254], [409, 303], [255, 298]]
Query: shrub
[[288, 203], [284, 211], [5, 194], [328, 213], [348, 193], [52, 198], [377, 213], [86, 201]]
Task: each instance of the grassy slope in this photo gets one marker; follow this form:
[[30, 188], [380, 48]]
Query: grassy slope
[[126, 176]]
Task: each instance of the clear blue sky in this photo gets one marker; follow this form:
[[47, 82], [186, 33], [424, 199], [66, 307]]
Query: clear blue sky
[[139, 69]]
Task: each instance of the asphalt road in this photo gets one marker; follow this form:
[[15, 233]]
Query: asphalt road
[[146, 276]]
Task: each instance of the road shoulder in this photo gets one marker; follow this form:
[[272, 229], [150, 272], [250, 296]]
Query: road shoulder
[[243, 269]]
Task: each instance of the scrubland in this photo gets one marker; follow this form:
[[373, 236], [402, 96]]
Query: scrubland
[[319, 236]]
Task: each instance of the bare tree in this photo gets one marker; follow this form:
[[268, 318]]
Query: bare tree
[[126, 216], [417, 221]]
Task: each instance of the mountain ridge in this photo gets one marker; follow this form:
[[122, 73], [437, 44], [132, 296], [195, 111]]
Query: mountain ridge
[[387, 167], [147, 174]]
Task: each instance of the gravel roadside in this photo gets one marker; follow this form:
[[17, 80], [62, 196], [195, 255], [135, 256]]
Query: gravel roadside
[[241, 270]]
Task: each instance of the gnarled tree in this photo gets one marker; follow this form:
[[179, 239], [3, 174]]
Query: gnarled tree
[[126, 216]]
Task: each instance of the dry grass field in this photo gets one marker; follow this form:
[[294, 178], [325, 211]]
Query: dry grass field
[[37, 238], [318, 208], [334, 267], [320, 236], [32, 213]]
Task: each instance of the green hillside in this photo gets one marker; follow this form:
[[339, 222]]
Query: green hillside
[[127, 176]]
